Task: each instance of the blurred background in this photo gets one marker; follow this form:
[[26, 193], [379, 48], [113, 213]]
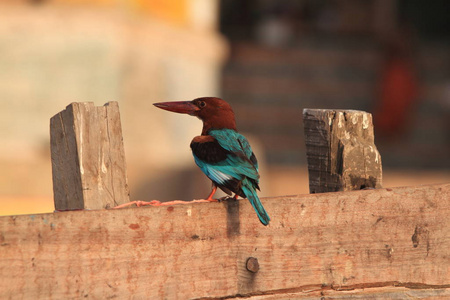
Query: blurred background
[[269, 59]]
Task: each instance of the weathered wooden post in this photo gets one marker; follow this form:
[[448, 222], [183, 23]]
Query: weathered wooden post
[[340, 150], [88, 159], [380, 243]]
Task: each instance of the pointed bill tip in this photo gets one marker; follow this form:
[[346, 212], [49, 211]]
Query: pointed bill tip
[[159, 104], [182, 107]]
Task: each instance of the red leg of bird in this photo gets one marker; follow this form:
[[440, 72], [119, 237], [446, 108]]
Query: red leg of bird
[[213, 191], [235, 196]]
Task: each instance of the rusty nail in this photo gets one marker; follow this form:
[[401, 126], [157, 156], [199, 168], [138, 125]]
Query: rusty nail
[[252, 264]]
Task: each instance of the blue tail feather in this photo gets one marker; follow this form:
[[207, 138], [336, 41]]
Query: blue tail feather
[[251, 195]]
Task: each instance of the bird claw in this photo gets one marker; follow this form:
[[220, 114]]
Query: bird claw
[[226, 198]]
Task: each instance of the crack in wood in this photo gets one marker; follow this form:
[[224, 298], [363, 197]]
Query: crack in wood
[[108, 135], [322, 287]]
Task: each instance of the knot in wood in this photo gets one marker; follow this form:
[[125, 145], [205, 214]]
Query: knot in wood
[[252, 264]]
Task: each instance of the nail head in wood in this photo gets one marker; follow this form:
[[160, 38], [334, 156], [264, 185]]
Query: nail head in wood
[[252, 264]]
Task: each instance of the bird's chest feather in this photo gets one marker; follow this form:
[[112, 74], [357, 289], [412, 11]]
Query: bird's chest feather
[[207, 149]]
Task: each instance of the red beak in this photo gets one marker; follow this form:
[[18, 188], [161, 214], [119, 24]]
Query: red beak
[[182, 107]]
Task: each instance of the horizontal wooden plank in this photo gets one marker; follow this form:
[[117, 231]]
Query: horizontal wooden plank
[[386, 240]]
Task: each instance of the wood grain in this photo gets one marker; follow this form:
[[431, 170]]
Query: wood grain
[[343, 244], [88, 158], [340, 150]]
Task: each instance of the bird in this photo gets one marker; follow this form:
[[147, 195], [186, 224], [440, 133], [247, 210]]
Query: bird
[[221, 152]]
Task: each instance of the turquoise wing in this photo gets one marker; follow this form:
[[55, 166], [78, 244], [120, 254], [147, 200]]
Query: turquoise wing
[[237, 168], [235, 142]]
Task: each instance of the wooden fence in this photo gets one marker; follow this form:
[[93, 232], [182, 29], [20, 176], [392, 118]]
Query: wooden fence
[[370, 243]]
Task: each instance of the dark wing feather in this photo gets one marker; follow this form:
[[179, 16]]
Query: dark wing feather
[[209, 150]]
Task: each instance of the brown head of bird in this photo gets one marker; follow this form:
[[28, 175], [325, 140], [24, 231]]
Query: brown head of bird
[[214, 112]]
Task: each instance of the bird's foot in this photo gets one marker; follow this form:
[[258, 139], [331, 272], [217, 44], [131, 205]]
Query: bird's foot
[[225, 198], [228, 198]]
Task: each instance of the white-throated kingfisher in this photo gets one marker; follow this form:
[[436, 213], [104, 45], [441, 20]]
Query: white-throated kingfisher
[[223, 154]]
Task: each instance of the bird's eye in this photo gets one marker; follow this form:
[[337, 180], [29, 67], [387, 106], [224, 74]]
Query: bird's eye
[[202, 104]]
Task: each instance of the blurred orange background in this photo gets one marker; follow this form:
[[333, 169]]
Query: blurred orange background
[[268, 59]]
